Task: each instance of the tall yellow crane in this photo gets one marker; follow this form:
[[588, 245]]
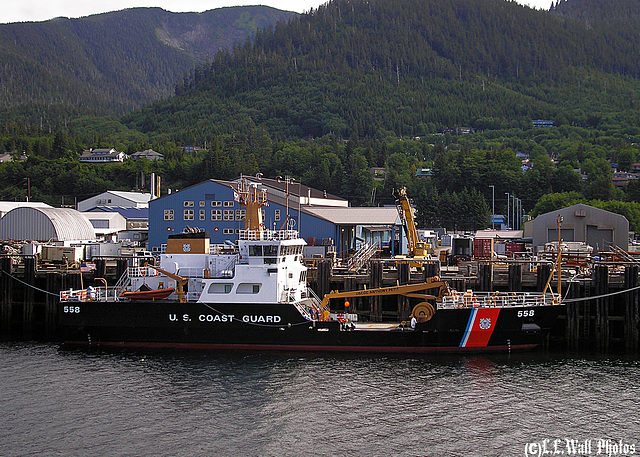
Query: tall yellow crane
[[416, 247]]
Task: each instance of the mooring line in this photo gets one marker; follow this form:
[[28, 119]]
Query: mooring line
[[595, 297], [27, 284]]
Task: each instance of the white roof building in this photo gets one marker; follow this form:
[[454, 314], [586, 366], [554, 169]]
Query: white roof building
[[116, 198], [102, 156], [106, 223]]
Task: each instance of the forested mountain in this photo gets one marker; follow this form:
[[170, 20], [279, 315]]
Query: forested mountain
[[356, 84], [370, 67], [114, 62]]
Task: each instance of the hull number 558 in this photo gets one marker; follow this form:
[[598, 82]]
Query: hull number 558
[[526, 313], [71, 309]]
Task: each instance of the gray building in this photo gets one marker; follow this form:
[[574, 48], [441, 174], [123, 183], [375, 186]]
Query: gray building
[[46, 224], [596, 227]]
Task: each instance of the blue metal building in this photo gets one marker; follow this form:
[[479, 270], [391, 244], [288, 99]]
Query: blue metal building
[[319, 217]]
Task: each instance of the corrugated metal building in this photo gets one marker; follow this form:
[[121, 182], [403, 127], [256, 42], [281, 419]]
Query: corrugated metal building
[[5, 207], [46, 224], [596, 227]]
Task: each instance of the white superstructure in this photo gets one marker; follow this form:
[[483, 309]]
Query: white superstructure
[[264, 268]]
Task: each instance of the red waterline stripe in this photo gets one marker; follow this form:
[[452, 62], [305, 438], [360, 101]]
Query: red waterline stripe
[[286, 347]]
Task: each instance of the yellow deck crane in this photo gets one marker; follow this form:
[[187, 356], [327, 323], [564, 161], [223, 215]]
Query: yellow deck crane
[[180, 282], [423, 311]]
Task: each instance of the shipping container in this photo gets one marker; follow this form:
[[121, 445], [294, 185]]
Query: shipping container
[[483, 248], [512, 248]]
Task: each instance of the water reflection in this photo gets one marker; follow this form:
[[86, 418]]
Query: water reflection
[[94, 403]]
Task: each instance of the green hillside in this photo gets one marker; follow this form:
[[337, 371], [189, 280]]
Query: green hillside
[[408, 67], [444, 87], [112, 63]]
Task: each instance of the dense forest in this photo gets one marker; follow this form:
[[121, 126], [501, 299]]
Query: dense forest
[[407, 67], [449, 87], [112, 63]]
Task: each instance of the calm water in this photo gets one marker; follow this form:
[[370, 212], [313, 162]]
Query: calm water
[[68, 403]]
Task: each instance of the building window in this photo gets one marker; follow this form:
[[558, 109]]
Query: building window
[[227, 231], [201, 203], [241, 214], [216, 203], [227, 215], [202, 214], [228, 204], [188, 204], [276, 215], [168, 214], [188, 215], [216, 214]]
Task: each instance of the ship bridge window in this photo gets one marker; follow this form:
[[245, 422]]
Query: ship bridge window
[[220, 288], [247, 288], [269, 252]]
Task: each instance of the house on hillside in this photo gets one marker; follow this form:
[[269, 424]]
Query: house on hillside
[[541, 123], [102, 156], [148, 154], [622, 178]]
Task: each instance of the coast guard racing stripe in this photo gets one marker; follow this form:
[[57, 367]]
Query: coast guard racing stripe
[[481, 323]]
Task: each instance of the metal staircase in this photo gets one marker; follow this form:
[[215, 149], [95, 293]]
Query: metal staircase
[[361, 256], [624, 255], [121, 285]]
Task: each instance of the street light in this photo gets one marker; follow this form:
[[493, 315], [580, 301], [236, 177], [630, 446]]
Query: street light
[[493, 207], [508, 202]]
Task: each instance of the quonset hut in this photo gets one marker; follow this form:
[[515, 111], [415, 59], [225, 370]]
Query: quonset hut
[[46, 224]]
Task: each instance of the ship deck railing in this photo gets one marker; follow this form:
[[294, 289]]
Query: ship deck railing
[[141, 272], [497, 299], [88, 295], [267, 235]]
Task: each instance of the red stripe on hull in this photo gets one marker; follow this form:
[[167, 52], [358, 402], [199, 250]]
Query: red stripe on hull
[[306, 348]]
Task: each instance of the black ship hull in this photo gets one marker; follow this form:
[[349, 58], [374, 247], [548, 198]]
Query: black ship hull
[[158, 324]]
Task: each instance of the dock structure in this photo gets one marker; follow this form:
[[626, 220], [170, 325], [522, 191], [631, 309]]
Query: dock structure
[[602, 312]]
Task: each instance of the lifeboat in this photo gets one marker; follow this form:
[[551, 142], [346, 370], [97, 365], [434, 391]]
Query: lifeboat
[[156, 294]]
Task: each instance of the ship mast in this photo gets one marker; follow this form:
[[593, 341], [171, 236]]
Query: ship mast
[[557, 266], [253, 199]]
